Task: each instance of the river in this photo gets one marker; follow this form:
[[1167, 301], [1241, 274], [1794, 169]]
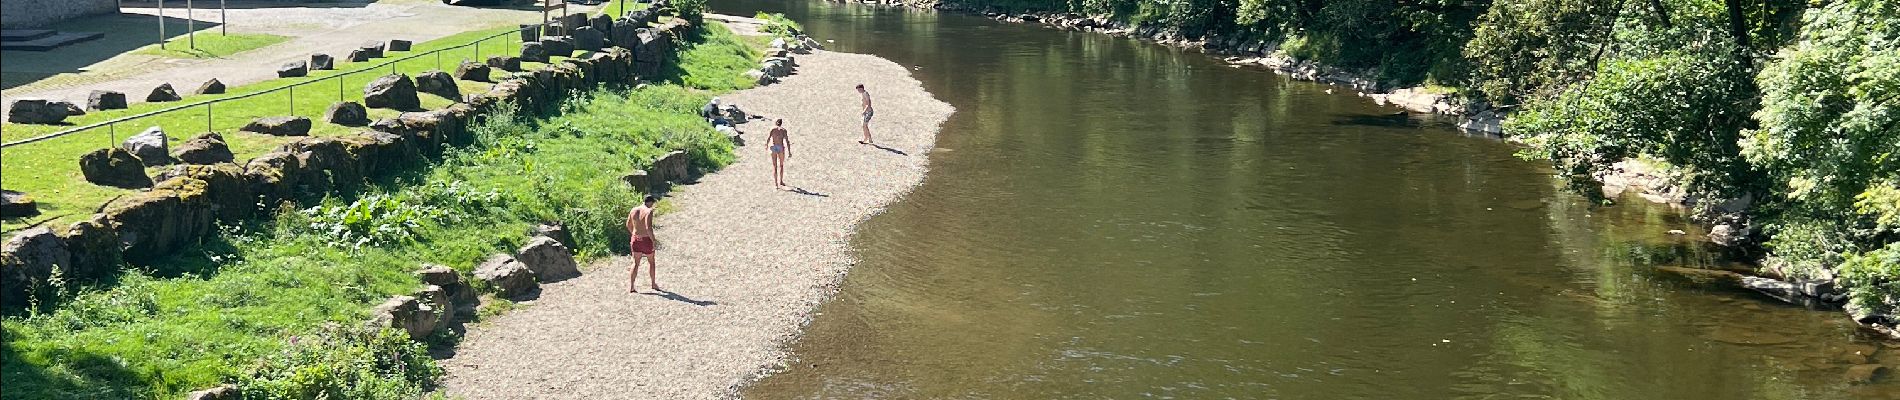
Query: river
[[1108, 218]]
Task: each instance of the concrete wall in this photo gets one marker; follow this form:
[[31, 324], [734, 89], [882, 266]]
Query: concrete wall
[[16, 14]]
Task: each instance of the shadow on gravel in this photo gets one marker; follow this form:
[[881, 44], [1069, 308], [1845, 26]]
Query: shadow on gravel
[[670, 295]]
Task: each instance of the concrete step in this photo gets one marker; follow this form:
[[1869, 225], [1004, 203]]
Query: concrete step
[[50, 42], [15, 35]]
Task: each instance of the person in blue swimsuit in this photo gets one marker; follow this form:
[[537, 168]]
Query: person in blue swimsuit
[[780, 142]]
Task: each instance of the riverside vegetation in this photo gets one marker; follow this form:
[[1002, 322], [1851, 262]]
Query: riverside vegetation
[[1787, 111], [272, 305]]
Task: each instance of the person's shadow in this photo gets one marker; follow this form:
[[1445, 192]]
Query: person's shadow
[[670, 295], [800, 190], [892, 150]]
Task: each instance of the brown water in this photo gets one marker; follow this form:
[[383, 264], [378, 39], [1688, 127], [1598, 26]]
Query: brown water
[[1107, 218]]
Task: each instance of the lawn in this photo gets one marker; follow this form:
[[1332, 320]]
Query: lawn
[[49, 170], [250, 306], [211, 45]]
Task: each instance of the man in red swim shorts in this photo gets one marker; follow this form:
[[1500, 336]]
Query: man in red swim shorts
[[640, 224]]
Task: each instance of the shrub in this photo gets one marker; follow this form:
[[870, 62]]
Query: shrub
[[343, 363]]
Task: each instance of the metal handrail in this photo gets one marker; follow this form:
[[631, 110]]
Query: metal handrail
[[208, 103]]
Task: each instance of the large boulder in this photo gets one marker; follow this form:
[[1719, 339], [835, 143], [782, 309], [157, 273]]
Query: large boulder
[[438, 83], [459, 292], [414, 316], [358, 55], [213, 86], [510, 64], [293, 69], [506, 276], [534, 52], [95, 247], [222, 392], [222, 187], [279, 126], [152, 147], [562, 46], [394, 91], [372, 49], [17, 205], [27, 261], [347, 113], [603, 23], [556, 231], [675, 166], [530, 33], [473, 71], [625, 34], [36, 111], [399, 45], [549, 260], [72, 110], [205, 149], [322, 62], [589, 39], [114, 167], [163, 93], [105, 100]]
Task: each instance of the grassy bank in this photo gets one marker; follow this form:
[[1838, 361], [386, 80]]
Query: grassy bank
[[212, 45], [259, 305]]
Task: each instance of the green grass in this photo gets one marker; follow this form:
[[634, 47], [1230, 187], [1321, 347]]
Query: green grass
[[230, 310], [49, 170], [719, 61], [211, 45]]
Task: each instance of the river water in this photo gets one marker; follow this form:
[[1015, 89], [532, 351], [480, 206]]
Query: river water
[[1107, 218]]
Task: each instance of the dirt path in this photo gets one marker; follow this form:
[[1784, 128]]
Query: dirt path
[[746, 263], [330, 28]]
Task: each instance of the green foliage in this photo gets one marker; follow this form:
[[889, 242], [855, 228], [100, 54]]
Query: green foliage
[[1524, 47], [779, 26], [343, 363], [719, 62], [210, 45], [1873, 279]]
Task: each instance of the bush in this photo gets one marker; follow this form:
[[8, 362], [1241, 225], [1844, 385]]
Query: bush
[[343, 363]]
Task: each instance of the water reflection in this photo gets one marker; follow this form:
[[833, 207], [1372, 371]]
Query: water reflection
[[1106, 218]]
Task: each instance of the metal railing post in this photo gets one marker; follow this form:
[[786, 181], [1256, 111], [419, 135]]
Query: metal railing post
[[208, 118], [293, 100]]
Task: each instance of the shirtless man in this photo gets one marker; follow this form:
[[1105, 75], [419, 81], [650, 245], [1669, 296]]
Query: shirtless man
[[867, 114], [780, 142], [640, 224]]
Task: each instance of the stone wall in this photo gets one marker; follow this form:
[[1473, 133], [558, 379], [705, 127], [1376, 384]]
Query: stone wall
[[15, 14], [183, 208]]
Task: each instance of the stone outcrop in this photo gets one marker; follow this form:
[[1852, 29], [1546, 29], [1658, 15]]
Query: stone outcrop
[[105, 100], [393, 91], [163, 93], [549, 260], [114, 167], [510, 64], [347, 113], [17, 205], [459, 292], [204, 149], [322, 62], [438, 83], [556, 231], [213, 86], [294, 69], [534, 52], [420, 315], [279, 126], [675, 166], [152, 147], [506, 276], [558, 46], [587, 38], [36, 111], [27, 261], [473, 71]]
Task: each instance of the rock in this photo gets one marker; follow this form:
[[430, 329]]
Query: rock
[[36, 111], [639, 180], [114, 167], [602, 23], [105, 100], [510, 64], [672, 167], [17, 205], [549, 260], [394, 91], [347, 113], [508, 277], [213, 86], [416, 317], [1864, 373], [152, 147], [27, 261], [735, 114], [222, 392], [473, 71], [459, 292], [372, 49], [1727, 234], [556, 231], [205, 149], [438, 83], [759, 77], [163, 93], [562, 46], [279, 126], [294, 69], [589, 39], [72, 110], [399, 45], [357, 55], [534, 52], [322, 62], [530, 33], [776, 67]]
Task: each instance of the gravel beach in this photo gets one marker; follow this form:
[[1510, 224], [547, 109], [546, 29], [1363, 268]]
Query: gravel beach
[[744, 264]]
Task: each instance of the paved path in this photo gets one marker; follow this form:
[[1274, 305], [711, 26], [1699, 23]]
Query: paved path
[[328, 28], [746, 264]]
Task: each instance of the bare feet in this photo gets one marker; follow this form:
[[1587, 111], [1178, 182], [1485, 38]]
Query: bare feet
[[655, 288]]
